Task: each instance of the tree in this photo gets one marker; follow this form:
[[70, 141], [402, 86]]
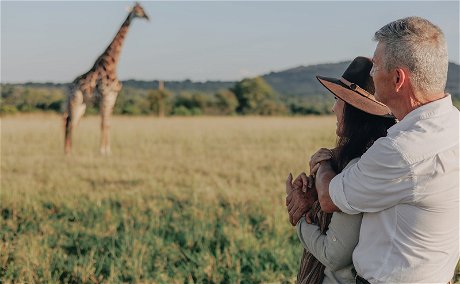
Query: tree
[[272, 107], [226, 102], [32, 98], [196, 103], [159, 101], [251, 95], [201, 101]]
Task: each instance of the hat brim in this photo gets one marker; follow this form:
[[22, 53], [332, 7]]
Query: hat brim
[[366, 104]]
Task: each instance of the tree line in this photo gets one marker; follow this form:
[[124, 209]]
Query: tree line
[[251, 96]]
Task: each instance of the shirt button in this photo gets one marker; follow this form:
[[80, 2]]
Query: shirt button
[[334, 239]]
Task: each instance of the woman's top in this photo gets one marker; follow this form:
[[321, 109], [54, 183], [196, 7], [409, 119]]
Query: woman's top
[[334, 249]]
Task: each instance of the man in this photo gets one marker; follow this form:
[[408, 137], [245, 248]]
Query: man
[[407, 183]]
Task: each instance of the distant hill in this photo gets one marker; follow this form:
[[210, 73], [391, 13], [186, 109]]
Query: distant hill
[[295, 82], [453, 80], [301, 81]]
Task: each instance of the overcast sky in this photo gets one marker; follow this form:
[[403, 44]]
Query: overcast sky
[[57, 41]]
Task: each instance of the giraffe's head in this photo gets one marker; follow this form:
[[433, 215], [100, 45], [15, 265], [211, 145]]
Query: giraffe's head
[[139, 12]]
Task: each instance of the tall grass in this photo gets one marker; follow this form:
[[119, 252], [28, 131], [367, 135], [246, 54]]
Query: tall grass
[[180, 200]]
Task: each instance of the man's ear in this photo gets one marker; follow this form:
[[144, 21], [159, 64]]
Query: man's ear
[[400, 78]]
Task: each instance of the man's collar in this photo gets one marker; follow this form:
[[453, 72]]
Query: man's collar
[[425, 111]]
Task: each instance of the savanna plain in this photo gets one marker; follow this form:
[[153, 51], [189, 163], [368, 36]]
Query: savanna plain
[[180, 200]]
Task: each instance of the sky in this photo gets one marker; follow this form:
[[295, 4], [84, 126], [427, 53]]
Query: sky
[[56, 41]]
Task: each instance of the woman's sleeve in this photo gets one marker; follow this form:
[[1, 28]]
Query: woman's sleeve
[[334, 249]]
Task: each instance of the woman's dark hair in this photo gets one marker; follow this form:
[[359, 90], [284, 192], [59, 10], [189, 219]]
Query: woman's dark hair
[[359, 131]]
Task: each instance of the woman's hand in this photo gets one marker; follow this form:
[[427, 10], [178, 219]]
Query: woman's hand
[[322, 154]]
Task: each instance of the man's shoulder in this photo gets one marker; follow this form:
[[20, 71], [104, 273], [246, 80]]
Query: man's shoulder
[[385, 151], [427, 137], [385, 146]]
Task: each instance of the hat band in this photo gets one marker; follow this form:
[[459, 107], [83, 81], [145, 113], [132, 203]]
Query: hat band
[[356, 88], [359, 90]]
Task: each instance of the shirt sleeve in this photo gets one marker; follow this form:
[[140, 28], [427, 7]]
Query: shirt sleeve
[[379, 180], [334, 250]]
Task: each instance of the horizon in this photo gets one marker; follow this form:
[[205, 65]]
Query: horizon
[[199, 41], [193, 81]]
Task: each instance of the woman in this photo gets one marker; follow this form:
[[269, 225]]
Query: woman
[[329, 242]]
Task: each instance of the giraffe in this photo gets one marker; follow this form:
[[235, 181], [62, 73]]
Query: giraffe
[[101, 80]]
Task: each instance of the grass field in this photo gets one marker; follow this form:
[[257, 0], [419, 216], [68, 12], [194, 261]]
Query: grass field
[[180, 199]]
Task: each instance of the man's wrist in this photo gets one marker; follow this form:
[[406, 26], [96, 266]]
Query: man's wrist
[[325, 174], [326, 165]]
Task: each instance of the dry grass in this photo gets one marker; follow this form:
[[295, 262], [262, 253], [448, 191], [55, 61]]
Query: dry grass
[[239, 157], [180, 199]]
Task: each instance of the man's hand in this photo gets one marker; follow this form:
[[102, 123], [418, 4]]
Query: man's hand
[[322, 154], [301, 197]]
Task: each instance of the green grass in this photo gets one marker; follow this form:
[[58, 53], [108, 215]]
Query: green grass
[[180, 200]]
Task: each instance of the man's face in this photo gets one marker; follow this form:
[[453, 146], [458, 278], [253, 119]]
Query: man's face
[[382, 78]]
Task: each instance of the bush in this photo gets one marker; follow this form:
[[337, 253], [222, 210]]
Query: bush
[[8, 109], [131, 109], [181, 111], [184, 111]]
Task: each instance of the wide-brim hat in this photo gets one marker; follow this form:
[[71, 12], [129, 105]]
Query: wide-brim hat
[[356, 87]]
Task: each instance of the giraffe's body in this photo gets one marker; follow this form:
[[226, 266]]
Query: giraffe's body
[[101, 80]]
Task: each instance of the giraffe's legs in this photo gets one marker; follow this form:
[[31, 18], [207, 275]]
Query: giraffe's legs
[[106, 108], [75, 110]]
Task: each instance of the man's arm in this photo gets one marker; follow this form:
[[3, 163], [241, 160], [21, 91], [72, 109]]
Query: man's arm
[[323, 178], [380, 179]]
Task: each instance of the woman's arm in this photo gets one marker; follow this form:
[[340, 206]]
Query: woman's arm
[[334, 249]]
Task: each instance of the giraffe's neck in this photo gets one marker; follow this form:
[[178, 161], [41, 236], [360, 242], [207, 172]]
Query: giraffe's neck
[[104, 69], [109, 59], [114, 49]]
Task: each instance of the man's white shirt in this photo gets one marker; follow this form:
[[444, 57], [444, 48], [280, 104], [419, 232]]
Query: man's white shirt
[[407, 184]]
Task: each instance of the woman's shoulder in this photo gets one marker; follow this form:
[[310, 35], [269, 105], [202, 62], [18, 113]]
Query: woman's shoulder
[[346, 221], [345, 216], [345, 225]]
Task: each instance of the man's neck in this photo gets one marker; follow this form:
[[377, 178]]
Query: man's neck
[[414, 101]]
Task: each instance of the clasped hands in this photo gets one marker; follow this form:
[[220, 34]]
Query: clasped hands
[[301, 194]]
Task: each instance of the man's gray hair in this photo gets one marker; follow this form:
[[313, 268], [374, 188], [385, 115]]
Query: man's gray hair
[[420, 46]]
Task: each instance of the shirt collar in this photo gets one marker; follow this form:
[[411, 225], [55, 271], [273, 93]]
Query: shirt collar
[[428, 110]]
